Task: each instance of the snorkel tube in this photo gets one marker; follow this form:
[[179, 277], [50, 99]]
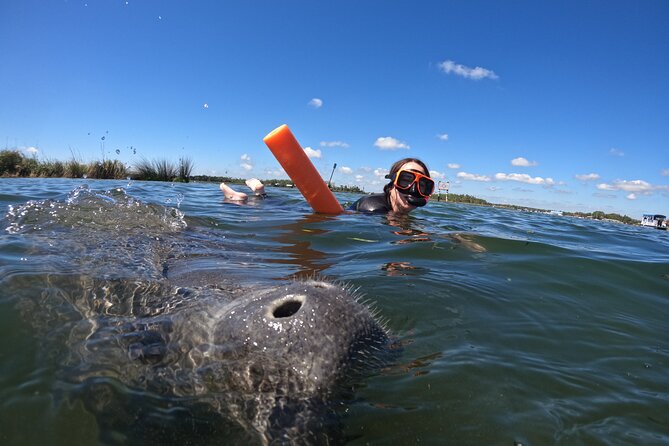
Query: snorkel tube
[[414, 200], [301, 171]]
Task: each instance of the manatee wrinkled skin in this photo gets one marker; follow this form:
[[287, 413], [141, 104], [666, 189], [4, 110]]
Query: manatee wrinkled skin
[[267, 359]]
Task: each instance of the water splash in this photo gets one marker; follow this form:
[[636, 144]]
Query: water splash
[[111, 210]]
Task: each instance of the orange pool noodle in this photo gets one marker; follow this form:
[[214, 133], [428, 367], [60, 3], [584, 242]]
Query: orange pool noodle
[[299, 168]]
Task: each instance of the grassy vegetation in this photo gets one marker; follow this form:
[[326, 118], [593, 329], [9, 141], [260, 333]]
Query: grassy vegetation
[[14, 164], [600, 215], [459, 198]]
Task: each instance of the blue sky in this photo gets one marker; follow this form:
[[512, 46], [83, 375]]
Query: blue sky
[[559, 105]]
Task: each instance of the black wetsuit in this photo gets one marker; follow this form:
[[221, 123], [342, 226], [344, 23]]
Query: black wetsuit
[[376, 203]]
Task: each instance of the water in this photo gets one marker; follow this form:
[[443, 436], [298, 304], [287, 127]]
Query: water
[[516, 327]]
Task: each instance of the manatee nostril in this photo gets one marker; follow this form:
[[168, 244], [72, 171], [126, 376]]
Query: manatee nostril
[[287, 308]]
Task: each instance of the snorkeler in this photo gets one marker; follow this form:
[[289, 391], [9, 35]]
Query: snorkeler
[[410, 187], [253, 183]]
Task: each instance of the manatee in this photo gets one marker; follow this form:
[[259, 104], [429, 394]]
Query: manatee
[[268, 360], [163, 354]]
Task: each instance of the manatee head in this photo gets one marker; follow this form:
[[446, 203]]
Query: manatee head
[[270, 361], [293, 345], [316, 330]]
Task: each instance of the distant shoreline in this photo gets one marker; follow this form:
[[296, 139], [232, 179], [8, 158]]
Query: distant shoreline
[[13, 164]]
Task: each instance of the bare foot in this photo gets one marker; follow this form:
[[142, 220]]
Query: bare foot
[[256, 186], [231, 194]]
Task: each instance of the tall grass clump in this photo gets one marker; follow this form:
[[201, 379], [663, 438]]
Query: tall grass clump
[[50, 169], [10, 160], [144, 170], [185, 169], [75, 169], [107, 170], [28, 167], [156, 170], [165, 170]]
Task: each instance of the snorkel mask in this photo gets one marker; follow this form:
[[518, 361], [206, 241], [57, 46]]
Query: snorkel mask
[[416, 186]]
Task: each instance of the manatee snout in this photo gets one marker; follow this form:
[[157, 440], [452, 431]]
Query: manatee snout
[[317, 330]]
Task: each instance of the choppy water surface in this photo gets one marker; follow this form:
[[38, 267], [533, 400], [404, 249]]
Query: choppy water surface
[[515, 327]]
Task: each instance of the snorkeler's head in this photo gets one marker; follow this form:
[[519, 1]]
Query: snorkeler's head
[[411, 178]]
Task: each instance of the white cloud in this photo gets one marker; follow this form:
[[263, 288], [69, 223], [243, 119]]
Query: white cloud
[[31, 150], [472, 176], [477, 73], [346, 170], [638, 186], [587, 177], [246, 163], [380, 172], [634, 187], [443, 136], [494, 188], [665, 172], [311, 153], [316, 103], [359, 178], [524, 178], [390, 143], [453, 165], [522, 162], [435, 175], [334, 144], [616, 152]]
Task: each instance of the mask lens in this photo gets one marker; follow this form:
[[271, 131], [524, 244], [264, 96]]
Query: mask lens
[[405, 179], [425, 186]]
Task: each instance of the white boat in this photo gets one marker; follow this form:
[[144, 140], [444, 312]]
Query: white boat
[[656, 221]]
